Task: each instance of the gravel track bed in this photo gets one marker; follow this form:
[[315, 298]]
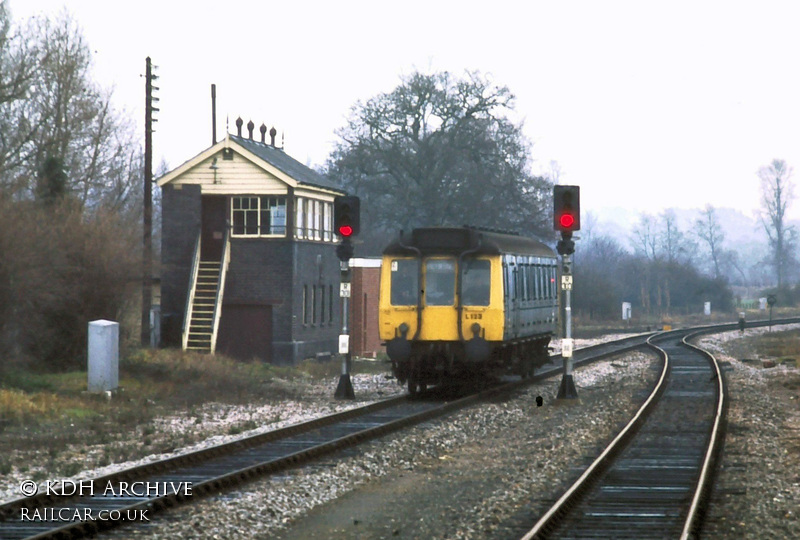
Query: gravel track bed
[[464, 476], [480, 473], [757, 492]]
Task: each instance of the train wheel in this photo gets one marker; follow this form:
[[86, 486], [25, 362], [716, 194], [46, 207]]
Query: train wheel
[[412, 386]]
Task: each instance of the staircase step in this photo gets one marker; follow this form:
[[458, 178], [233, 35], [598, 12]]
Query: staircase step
[[201, 318]]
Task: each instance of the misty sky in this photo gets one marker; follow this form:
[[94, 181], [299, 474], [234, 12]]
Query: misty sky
[[645, 105]]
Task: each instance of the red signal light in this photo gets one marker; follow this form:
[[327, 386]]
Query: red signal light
[[566, 208], [566, 220], [345, 230]]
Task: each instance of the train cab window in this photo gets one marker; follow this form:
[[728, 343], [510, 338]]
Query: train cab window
[[440, 282], [405, 282], [475, 282]]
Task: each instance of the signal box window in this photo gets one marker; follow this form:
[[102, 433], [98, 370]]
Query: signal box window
[[440, 282], [475, 283], [313, 219], [259, 216], [405, 282]]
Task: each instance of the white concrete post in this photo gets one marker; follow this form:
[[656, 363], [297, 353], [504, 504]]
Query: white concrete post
[[103, 356]]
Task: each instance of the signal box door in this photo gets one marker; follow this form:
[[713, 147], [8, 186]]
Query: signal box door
[[214, 214]]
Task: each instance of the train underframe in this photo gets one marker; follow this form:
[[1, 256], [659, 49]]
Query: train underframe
[[435, 362]]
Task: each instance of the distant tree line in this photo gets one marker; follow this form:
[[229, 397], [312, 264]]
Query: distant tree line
[[70, 210], [672, 271], [440, 150]]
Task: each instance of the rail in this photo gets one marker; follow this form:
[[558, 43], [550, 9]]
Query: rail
[[707, 473]]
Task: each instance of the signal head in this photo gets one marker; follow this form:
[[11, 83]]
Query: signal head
[[566, 208], [346, 214]]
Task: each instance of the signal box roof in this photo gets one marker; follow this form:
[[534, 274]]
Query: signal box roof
[[455, 241]]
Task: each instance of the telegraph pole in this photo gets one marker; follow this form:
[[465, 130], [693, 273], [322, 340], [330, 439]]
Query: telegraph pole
[[147, 234]]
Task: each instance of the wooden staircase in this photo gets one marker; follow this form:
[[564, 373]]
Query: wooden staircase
[[201, 320]]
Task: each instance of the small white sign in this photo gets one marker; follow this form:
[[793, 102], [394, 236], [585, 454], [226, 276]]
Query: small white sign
[[626, 311], [566, 348], [566, 283], [344, 290], [344, 343]]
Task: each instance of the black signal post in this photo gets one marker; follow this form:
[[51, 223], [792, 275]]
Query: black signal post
[[566, 219], [346, 216]]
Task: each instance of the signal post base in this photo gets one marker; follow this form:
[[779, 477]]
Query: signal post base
[[567, 392], [345, 388]]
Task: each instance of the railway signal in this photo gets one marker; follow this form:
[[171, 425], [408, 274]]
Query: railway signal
[[567, 219], [567, 208], [346, 215]]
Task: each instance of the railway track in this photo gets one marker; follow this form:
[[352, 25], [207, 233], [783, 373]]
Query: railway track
[[108, 501], [163, 484], [654, 479]]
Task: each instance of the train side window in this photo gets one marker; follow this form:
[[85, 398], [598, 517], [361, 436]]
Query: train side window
[[405, 282], [440, 282], [509, 276], [505, 280], [475, 282], [544, 282], [529, 271]]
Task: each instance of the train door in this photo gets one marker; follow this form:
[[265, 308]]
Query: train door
[[512, 297]]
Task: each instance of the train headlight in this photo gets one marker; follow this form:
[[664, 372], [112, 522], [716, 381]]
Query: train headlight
[[476, 329], [403, 329]]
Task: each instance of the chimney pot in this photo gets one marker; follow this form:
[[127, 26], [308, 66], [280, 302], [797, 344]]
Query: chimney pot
[[272, 134], [263, 130], [239, 123], [250, 126]]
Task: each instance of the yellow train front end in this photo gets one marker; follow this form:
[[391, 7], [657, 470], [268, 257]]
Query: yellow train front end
[[432, 312], [443, 308]]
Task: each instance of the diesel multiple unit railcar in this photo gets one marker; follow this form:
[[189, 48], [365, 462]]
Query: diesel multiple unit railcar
[[459, 301]]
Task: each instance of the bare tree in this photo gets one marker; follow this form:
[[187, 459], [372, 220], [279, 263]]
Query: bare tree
[[777, 192], [20, 58], [645, 239], [674, 244], [52, 111], [708, 229]]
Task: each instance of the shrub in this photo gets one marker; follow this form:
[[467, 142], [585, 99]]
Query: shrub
[[61, 268]]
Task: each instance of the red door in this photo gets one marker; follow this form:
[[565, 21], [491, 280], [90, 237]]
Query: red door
[[245, 332]]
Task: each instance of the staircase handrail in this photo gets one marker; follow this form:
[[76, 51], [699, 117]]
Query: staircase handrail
[[187, 314], [226, 259]]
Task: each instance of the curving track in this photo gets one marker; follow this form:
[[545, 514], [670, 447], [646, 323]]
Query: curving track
[[654, 478]]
